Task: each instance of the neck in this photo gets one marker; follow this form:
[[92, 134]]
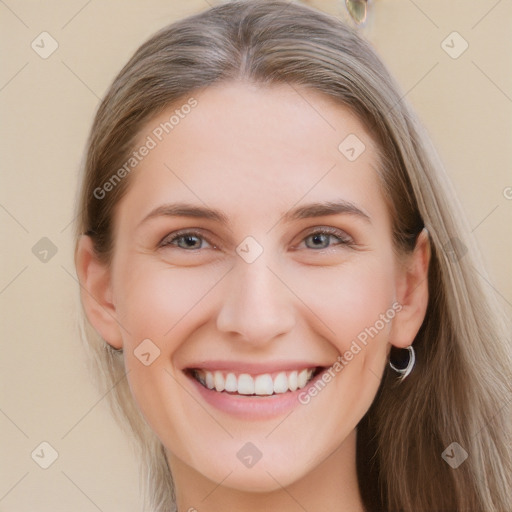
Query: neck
[[332, 486]]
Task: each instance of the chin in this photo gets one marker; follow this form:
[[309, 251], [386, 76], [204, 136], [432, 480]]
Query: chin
[[262, 479]]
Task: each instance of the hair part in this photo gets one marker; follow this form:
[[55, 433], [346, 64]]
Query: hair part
[[461, 379]]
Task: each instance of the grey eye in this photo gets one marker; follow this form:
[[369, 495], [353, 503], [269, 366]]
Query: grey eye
[[188, 242], [319, 241]]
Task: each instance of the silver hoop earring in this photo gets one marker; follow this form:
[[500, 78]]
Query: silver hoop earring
[[410, 365]]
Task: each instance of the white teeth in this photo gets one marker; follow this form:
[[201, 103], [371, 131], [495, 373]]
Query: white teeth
[[209, 380], [218, 379], [245, 384], [302, 379], [292, 381], [231, 384], [262, 385], [281, 383]]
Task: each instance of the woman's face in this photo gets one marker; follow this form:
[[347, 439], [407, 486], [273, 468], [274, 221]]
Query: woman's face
[[253, 251]]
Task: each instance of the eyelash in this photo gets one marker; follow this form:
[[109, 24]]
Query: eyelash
[[343, 238]]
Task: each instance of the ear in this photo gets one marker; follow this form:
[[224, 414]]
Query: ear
[[96, 292], [412, 293]]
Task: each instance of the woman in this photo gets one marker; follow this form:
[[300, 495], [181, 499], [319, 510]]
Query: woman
[[262, 248]]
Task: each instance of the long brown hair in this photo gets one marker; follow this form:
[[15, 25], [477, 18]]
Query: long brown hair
[[461, 383]]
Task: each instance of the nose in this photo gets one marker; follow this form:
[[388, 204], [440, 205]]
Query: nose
[[257, 306]]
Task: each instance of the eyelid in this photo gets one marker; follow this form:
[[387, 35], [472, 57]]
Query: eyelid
[[182, 232], [343, 236]]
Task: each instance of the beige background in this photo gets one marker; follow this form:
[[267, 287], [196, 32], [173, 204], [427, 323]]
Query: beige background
[[47, 106]]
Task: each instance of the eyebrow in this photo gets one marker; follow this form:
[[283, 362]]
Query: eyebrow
[[186, 210], [311, 210], [321, 209]]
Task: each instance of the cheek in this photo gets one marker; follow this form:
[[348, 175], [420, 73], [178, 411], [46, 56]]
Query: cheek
[[156, 301], [349, 299], [160, 307], [355, 306]]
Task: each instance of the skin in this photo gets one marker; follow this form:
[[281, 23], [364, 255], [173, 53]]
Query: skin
[[255, 152]]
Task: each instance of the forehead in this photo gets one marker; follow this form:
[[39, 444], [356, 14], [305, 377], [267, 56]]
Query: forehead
[[262, 147]]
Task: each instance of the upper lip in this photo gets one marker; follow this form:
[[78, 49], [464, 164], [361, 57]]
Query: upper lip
[[252, 367]]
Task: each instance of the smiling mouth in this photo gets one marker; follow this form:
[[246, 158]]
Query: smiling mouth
[[266, 384]]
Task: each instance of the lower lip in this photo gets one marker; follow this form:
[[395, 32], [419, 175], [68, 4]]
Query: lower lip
[[252, 407]]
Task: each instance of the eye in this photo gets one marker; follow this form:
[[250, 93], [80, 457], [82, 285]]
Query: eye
[[187, 240], [325, 237]]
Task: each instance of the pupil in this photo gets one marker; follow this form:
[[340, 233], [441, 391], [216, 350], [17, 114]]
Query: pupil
[[190, 241], [320, 239]]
